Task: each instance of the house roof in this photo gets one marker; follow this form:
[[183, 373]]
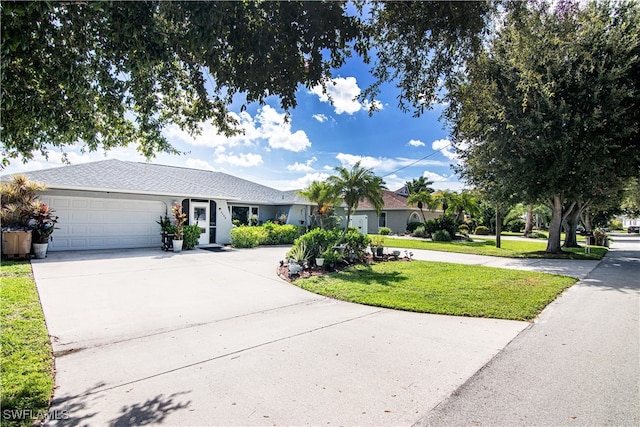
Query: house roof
[[391, 199], [145, 178]]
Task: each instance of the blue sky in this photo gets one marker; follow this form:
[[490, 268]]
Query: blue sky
[[318, 137]]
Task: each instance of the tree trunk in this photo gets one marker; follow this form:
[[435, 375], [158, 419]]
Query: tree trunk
[[528, 228], [555, 226], [586, 219], [572, 222]]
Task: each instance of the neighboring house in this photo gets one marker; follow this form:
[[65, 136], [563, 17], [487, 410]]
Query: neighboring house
[[115, 204], [395, 214]]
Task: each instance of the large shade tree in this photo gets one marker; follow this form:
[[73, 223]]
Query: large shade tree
[[109, 74], [356, 184], [550, 110]]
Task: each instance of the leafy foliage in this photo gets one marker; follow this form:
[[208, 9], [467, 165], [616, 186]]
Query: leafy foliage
[[109, 74], [481, 230], [246, 236], [441, 236], [384, 231], [190, 235]]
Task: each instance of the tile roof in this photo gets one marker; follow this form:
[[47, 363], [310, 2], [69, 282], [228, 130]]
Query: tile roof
[[147, 178]]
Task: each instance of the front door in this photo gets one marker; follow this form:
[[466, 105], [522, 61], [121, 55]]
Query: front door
[[200, 217]]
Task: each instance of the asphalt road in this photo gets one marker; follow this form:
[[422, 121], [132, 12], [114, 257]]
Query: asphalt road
[[579, 364]]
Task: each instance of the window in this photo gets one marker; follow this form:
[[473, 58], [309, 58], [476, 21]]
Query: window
[[382, 219]]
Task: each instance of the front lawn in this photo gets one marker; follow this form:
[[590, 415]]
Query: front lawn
[[509, 248], [27, 360], [443, 288]]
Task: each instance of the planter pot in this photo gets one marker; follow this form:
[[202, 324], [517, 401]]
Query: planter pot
[[379, 251], [40, 250], [295, 268], [340, 249], [319, 262], [177, 245], [16, 243]]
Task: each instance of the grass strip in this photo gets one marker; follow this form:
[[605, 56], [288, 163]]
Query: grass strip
[[443, 288], [509, 248], [26, 356]]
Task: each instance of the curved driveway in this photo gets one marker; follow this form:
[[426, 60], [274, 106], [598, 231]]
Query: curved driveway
[[216, 338]]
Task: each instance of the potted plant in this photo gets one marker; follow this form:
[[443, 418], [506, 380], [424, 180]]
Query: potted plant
[[377, 245], [18, 201], [298, 256], [319, 258], [43, 223], [179, 218], [331, 258], [167, 230]]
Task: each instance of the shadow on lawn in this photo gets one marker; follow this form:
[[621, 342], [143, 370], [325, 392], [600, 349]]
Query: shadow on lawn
[[364, 275]]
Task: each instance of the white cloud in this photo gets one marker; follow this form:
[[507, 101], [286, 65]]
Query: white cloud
[[383, 164], [445, 147], [432, 176], [302, 167], [248, 159], [341, 93], [416, 143], [320, 117], [278, 132], [267, 125], [306, 180]]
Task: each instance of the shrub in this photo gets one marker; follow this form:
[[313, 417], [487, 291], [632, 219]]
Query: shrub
[[190, 235], [441, 236], [463, 229], [331, 258], [430, 227], [385, 231], [448, 224], [411, 227], [481, 230], [419, 231], [277, 234], [356, 242], [515, 226], [247, 237], [537, 235], [318, 240]]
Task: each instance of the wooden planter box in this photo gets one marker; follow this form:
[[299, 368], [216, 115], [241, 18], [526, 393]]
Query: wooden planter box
[[16, 244]]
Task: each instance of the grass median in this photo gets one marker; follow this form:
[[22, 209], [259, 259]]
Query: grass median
[[443, 288], [509, 248], [27, 359]]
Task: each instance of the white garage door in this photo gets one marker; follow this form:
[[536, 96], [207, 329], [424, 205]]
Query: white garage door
[[96, 223]]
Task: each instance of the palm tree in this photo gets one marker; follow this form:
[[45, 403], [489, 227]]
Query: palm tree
[[358, 184], [421, 199], [416, 185], [444, 198], [462, 203], [324, 195]]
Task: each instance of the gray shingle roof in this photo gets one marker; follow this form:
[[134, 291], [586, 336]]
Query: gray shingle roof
[[146, 178]]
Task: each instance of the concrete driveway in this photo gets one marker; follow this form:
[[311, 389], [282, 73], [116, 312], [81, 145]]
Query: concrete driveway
[[205, 338]]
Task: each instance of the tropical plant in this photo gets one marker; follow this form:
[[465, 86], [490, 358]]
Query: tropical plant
[[325, 196], [42, 222], [357, 184], [385, 231], [165, 225], [419, 231], [179, 218], [18, 198], [422, 199], [463, 203], [463, 229], [299, 253], [246, 236], [318, 239], [356, 242], [413, 225]]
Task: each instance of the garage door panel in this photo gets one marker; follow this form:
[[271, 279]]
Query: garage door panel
[[93, 223]]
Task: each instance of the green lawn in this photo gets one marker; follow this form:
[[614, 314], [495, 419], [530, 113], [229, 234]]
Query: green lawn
[[27, 360], [509, 248], [443, 288]]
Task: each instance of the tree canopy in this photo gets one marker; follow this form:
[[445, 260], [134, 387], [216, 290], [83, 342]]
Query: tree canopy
[[549, 111], [107, 74]]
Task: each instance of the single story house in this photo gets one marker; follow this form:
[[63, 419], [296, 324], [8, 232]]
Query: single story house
[[115, 204], [395, 214]]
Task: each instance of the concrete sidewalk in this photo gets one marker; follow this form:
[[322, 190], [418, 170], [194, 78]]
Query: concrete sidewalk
[[578, 365], [202, 338]]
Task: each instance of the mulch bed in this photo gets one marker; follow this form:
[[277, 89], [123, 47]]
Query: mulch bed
[[283, 268]]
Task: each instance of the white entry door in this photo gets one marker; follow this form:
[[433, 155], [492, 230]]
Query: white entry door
[[200, 216]]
